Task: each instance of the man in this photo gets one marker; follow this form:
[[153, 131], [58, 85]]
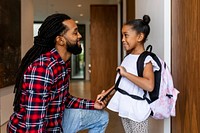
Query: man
[[42, 82]]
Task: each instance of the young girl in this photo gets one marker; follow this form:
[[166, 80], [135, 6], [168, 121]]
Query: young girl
[[134, 113]]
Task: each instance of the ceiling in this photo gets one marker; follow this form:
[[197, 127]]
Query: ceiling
[[43, 8]]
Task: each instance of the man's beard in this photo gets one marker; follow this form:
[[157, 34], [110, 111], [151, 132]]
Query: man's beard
[[74, 48]]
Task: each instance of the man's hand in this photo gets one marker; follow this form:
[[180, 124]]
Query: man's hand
[[98, 103], [101, 102]]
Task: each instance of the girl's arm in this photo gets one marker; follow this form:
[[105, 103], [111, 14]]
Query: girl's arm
[[146, 82]]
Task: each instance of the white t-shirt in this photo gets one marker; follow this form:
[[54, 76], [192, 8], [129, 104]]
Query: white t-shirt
[[127, 107]]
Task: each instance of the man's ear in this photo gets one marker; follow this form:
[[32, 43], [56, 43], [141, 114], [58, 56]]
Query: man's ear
[[140, 37], [59, 40]]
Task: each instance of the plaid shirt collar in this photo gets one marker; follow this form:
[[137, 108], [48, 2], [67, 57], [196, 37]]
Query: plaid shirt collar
[[57, 56]]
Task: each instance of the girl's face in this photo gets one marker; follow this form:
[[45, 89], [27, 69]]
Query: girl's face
[[130, 38]]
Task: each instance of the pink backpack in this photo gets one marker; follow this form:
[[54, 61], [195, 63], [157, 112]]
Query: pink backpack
[[163, 98]]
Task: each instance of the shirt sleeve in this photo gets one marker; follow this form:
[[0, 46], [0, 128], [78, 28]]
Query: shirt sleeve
[[80, 103], [37, 82], [155, 65]]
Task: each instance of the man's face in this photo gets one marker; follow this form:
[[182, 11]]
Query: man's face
[[72, 37]]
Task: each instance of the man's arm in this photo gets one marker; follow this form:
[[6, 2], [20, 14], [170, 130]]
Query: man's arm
[[74, 102]]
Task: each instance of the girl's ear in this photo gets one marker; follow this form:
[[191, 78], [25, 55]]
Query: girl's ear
[[140, 37]]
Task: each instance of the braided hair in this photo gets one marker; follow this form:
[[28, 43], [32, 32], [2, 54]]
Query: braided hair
[[141, 26], [44, 42]]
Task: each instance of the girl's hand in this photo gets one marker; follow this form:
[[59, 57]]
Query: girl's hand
[[121, 70]]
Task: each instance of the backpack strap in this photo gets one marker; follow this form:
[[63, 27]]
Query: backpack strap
[[141, 59], [132, 96], [118, 81], [140, 62], [140, 68], [124, 92], [149, 48]]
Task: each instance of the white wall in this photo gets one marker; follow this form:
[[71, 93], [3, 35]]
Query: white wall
[[6, 102], [6, 94], [160, 34], [155, 9], [26, 25]]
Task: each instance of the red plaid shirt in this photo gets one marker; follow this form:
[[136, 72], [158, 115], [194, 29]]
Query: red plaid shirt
[[45, 92]]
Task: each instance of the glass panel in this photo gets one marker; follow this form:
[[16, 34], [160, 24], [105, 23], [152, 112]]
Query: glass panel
[[78, 65]]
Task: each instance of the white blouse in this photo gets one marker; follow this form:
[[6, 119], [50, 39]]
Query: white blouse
[[127, 107]]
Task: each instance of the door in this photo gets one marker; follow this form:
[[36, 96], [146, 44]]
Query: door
[[103, 43], [186, 64]]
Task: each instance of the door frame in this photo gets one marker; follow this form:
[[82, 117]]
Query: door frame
[[167, 49]]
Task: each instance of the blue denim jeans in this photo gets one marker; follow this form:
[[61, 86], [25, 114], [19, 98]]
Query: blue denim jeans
[[75, 120]]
